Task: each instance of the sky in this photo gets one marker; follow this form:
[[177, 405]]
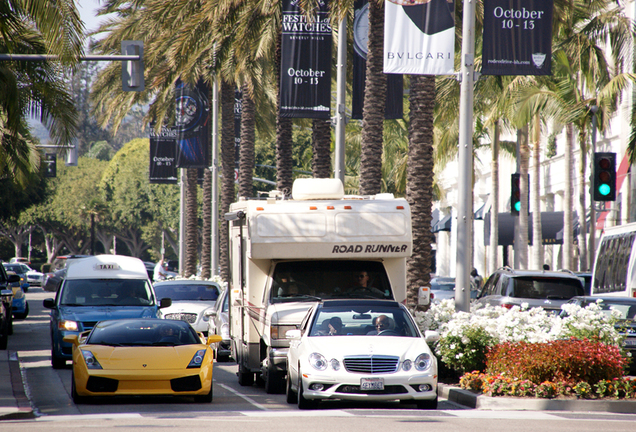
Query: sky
[[87, 10]]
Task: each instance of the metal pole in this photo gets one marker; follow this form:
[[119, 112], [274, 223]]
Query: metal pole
[[465, 198], [339, 169], [215, 178], [182, 227], [592, 251]]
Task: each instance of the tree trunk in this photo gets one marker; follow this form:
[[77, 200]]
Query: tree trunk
[[493, 260], [284, 141], [191, 239], [521, 249], [373, 108], [227, 171], [419, 185], [206, 235], [582, 208], [321, 138], [248, 135], [568, 234], [535, 195]]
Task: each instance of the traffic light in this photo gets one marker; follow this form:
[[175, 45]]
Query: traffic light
[[132, 72], [50, 159], [515, 194], [604, 183]]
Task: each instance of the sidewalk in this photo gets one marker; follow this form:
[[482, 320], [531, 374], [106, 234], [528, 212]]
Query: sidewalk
[[14, 403], [482, 402]]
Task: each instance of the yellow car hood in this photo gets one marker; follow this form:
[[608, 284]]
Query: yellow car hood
[[145, 358]]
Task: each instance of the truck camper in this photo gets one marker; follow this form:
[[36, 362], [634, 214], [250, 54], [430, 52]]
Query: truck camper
[[288, 253]]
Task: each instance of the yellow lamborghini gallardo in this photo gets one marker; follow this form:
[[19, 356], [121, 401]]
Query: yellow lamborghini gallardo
[[142, 357]]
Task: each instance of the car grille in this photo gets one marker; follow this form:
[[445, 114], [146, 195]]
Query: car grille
[[189, 383], [88, 325], [188, 317], [371, 364], [101, 385]]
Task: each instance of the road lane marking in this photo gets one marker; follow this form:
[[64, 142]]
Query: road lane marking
[[247, 398]]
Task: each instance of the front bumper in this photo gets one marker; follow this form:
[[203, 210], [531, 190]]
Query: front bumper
[[346, 386]]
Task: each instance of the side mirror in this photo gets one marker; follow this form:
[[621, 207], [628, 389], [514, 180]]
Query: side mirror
[[72, 339], [293, 334], [13, 278], [214, 339], [431, 336], [49, 303], [210, 313], [164, 303]]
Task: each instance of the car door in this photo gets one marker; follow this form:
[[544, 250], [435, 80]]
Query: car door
[[296, 347]]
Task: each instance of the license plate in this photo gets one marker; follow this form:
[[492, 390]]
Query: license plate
[[371, 383]]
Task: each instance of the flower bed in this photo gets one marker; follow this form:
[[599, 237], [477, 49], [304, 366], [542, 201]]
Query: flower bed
[[530, 353]]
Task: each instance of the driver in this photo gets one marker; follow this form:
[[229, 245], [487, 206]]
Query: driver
[[382, 323]]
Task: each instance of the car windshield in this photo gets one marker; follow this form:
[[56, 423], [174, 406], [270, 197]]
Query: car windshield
[[438, 285], [143, 333], [17, 268], [196, 292], [347, 321], [311, 280], [544, 288], [106, 292]]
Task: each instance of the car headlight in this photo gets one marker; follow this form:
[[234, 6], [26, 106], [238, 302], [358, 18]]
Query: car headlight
[[279, 331], [335, 364], [67, 325], [90, 360], [407, 365], [197, 359], [225, 331], [423, 362], [318, 361]]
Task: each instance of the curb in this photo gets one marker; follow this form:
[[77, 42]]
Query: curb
[[504, 403], [24, 409]]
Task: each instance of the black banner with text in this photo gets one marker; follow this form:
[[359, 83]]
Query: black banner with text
[[305, 75], [517, 37]]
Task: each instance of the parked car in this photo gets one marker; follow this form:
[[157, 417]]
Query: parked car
[[219, 324], [626, 325], [587, 281], [34, 277], [20, 260], [21, 270], [6, 300], [99, 288], [537, 288], [141, 357], [54, 278], [373, 351], [190, 300], [442, 288], [19, 305]]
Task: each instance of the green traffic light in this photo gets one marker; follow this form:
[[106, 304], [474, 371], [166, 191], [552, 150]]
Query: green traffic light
[[604, 189], [518, 206]]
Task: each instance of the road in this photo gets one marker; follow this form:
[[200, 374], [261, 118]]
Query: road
[[248, 408]]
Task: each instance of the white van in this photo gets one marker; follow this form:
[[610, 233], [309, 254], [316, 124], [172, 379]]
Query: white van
[[614, 271]]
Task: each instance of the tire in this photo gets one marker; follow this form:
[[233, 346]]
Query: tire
[[291, 396], [205, 398], [303, 403], [245, 378], [273, 382], [77, 399], [221, 358], [4, 338], [10, 324], [427, 404], [57, 362]]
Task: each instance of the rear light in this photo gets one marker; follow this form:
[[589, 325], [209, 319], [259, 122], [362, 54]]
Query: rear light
[[507, 306], [432, 296]]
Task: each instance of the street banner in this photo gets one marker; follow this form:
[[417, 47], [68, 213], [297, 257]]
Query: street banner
[[517, 37], [305, 74], [394, 102], [193, 124], [163, 148], [419, 37]]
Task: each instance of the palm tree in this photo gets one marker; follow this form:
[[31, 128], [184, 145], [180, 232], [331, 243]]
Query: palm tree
[[36, 89]]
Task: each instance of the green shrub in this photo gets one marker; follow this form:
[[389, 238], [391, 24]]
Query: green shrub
[[563, 360], [466, 352]]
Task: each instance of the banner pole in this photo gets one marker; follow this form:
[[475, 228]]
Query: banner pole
[[465, 199], [341, 77], [182, 227]]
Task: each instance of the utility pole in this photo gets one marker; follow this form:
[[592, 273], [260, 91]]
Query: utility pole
[[465, 197], [341, 78]]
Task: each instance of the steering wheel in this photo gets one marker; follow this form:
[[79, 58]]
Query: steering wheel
[[388, 333]]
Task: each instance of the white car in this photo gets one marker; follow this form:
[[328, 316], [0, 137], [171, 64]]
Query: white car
[[362, 350], [191, 299], [34, 277]]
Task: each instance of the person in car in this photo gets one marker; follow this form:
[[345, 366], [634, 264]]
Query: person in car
[[382, 323]]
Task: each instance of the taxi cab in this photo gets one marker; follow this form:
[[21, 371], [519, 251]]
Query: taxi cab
[[99, 288]]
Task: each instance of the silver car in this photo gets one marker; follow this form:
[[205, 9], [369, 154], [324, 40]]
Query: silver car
[[218, 324], [537, 288]]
